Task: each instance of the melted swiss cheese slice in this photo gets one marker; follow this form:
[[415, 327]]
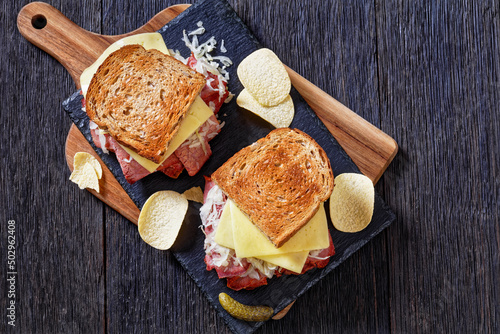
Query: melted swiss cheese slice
[[196, 116], [236, 231]]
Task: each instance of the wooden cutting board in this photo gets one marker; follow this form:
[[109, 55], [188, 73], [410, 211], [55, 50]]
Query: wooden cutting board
[[75, 48]]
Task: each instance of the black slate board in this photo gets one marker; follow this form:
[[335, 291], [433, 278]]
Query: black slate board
[[242, 128]]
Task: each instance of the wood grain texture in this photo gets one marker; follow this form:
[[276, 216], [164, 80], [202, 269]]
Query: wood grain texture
[[444, 252], [370, 148], [426, 73], [76, 48]]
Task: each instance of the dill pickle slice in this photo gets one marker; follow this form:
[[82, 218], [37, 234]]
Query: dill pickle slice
[[244, 312]]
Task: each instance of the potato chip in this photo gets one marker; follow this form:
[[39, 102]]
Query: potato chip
[[265, 77], [280, 116], [85, 176], [81, 158], [161, 218], [352, 202], [194, 194]]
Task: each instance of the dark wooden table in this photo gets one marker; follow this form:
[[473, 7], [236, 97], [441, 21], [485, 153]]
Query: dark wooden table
[[427, 73]]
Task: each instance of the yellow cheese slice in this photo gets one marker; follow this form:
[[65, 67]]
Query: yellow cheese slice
[[196, 116], [291, 261], [225, 237], [224, 233], [148, 41], [251, 242]]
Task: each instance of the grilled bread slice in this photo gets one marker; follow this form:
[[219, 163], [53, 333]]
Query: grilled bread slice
[[141, 97], [279, 182]]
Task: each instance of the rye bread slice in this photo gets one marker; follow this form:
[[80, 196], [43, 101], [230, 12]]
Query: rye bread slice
[[141, 97], [279, 182]]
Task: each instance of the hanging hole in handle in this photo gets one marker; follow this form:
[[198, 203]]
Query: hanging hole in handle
[[38, 21]]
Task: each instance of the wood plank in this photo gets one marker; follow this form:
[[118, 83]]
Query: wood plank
[[149, 292], [344, 129], [59, 228], [110, 191], [440, 64]]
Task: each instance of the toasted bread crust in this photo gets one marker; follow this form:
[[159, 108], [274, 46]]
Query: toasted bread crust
[[141, 97], [279, 182]]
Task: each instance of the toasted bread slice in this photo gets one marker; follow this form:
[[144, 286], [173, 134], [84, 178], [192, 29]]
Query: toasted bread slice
[[278, 182], [141, 96]]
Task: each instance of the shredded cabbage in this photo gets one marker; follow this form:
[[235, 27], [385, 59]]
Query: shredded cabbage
[[229, 97], [210, 216], [211, 105], [92, 125], [266, 268], [203, 146], [222, 47], [177, 55], [205, 62]]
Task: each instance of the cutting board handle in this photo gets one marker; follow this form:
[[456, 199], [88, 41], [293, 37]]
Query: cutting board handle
[[47, 28], [74, 47]]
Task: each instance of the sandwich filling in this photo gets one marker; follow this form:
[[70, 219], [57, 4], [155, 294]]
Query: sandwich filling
[[263, 214], [247, 272], [279, 182]]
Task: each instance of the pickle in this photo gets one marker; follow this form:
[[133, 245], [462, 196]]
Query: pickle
[[244, 312]]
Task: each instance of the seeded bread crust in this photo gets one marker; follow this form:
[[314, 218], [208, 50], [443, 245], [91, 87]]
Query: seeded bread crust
[[279, 182], [141, 97]]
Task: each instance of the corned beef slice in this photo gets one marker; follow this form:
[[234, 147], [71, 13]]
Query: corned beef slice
[[193, 153], [232, 269], [97, 142], [210, 93], [131, 169], [172, 167], [325, 253], [210, 128], [209, 184]]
